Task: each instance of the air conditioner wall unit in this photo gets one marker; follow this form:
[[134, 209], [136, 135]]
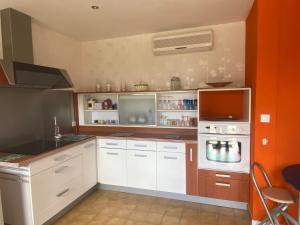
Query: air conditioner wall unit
[[196, 41]]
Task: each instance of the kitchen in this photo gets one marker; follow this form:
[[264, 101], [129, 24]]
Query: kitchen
[[155, 122]]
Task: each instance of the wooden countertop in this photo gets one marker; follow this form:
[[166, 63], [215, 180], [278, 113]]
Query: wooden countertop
[[26, 160], [191, 139]]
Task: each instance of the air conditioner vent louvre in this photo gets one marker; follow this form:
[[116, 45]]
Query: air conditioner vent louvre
[[183, 43]]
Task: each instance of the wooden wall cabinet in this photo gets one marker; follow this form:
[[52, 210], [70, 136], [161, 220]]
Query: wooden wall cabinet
[[223, 185], [191, 169]]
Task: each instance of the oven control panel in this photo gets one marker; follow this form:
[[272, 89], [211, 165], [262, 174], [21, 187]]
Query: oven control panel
[[224, 128]]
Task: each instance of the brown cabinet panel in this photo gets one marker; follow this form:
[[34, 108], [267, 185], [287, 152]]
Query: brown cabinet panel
[[191, 169], [228, 186]]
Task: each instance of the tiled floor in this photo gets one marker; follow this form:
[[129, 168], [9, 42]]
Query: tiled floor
[[116, 208]]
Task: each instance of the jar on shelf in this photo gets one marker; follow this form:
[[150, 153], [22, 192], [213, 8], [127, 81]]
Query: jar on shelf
[[175, 83]]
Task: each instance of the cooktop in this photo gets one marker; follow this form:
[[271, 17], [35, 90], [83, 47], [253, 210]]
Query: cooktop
[[42, 146]]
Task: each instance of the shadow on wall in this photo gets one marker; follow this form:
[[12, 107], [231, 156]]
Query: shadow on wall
[[27, 114]]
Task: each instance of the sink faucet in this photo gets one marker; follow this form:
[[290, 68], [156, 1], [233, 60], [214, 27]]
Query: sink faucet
[[57, 135]]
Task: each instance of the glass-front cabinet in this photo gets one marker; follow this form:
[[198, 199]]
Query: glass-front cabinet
[[137, 109], [155, 109]]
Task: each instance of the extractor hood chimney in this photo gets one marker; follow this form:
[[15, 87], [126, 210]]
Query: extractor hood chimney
[[16, 67]]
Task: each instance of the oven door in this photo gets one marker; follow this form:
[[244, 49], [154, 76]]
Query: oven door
[[224, 152]]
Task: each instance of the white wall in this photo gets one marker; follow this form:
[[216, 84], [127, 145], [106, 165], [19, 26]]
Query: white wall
[[130, 60], [53, 49]]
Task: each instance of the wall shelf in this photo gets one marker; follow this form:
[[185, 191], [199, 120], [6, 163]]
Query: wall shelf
[[141, 104]]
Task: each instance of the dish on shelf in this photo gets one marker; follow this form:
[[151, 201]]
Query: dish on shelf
[[141, 87], [219, 84]]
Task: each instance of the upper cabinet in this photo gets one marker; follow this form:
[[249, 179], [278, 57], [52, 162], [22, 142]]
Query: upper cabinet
[[167, 109], [225, 105]]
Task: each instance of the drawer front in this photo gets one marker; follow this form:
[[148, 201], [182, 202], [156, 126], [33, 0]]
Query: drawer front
[[53, 160], [171, 147], [234, 190], [61, 197], [221, 174], [171, 172], [141, 169], [141, 145], [111, 143], [68, 170], [228, 186], [111, 166]]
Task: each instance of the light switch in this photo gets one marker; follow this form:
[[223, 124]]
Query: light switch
[[265, 118], [73, 123]]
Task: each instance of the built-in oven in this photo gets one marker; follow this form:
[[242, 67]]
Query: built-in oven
[[224, 147]]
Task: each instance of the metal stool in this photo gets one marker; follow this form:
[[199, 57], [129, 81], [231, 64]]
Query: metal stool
[[282, 197]]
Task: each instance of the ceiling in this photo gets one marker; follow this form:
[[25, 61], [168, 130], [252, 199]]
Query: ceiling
[[117, 18]]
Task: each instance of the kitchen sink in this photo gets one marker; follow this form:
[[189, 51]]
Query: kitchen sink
[[74, 137], [122, 134]]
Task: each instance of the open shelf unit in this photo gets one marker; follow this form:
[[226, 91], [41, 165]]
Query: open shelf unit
[[163, 109]]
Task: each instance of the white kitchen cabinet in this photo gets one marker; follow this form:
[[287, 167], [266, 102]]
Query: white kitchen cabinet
[[171, 167], [111, 166], [171, 172], [141, 169], [89, 165], [53, 189]]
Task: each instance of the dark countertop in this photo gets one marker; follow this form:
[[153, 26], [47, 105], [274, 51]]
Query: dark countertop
[[192, 139], [291, 174], [27, 159]]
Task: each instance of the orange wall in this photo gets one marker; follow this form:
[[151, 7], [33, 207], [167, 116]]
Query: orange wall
[[273, 59]]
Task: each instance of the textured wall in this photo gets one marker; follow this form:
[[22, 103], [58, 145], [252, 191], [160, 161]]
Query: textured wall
[[130, 60], [53, 49]]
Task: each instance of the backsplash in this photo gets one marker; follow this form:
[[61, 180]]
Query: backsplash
[[130, 60]]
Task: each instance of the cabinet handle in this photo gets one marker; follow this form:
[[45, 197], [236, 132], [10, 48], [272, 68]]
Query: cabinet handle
[[112, 144], [112, 153], [63, 192], [59, 170], [139, 145], [61, 158], [168, 157], [89, 145], [170, 147], [139, 155], [223, 184], [223, 175], [191, 155]]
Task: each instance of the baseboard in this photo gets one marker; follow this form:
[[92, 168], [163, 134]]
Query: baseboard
[[188, 198]]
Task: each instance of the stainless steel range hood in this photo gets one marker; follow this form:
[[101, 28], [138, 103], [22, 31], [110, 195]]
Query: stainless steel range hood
[[16, 67]]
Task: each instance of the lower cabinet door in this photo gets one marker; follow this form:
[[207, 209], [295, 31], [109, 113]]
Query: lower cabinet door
[[141, 169], [111, 166], [171, 172]]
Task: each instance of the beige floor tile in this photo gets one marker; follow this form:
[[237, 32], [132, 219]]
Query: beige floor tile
[[124, 212], [174, 211], [170, 220], [117, 208]]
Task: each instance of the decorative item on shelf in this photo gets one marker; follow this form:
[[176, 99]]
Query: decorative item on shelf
[[218, 84], [141, 119], [141, 86], [91, 104], [98, 87], [123, 87], [108, 87], [132, 119], [175, 83], [98, 106], [115, 106], [107, 104]]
